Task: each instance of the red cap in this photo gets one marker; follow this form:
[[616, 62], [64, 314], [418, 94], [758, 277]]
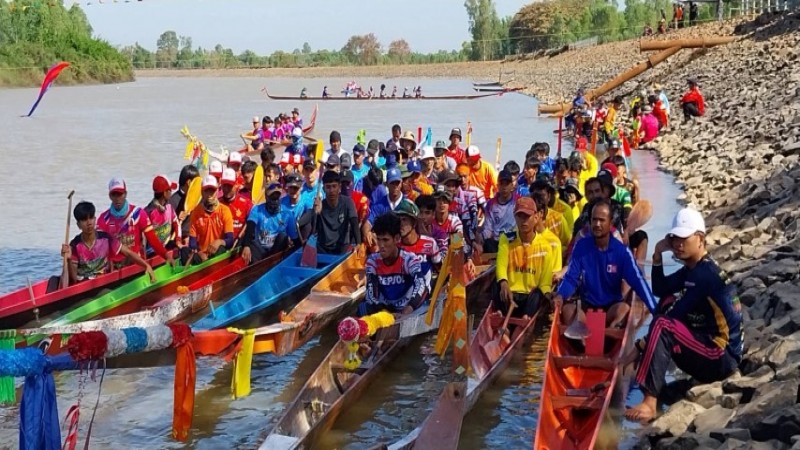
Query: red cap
[[611, 168], [162, 184], [525, 205]]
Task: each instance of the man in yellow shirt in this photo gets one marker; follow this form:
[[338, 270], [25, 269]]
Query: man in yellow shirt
[[482, 175], [553, 220], [555, 242], [610, 123], [525, 264]]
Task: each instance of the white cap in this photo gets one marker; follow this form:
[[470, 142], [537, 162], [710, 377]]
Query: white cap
[[297, 132], [215, 167], [228, 176], [117, 185], [256, 119], [210, 181], [473, 150], [687, 222], [427, 152], [235, 158]]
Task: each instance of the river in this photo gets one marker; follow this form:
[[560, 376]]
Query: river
[[82, 136]]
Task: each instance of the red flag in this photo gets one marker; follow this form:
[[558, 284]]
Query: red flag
[[626, 147]]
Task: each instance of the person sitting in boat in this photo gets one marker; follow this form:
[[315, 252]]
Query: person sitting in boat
[[255, 137], [383, 91], [541, 151], [600, 188], [499, 217], [454, 150], [234, 162], [481, 174], [303, 93], [384, 204], [419, 92], [529, 175], [427, 161], [211, 229], [335, 218], [127, 224], [335, 141], [405, 92], [359, 167], [553, 220], [411, 241], [524, 267], [426, 223], [270, 228], [178, 198], [555, 243], [464, 173], [394, 92], [464, 204], [408, 146], [571, 195], [239, 205], [360, 200], [513, 168], [325, 92], [297, 147], [395, 277], [90, 252], [598, 266], [162, 215], [296, 120], [397, 131], [248, 174], [702, 330]]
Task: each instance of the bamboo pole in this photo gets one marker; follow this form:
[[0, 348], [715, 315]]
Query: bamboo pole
[[645, 46]]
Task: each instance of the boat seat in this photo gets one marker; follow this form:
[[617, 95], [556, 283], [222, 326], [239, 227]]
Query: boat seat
[[577, 402], [336, 369], [592, 362]]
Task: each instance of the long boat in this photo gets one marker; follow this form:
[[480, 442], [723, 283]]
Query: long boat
[[276, 287], [442, 427], [429, 97], [332, 389], [39, 299], [579, 386], [312, 123], [216, 286]]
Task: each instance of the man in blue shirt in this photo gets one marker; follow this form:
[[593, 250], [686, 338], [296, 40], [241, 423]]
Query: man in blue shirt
[[598, 266], [269, 228], [384, 204], [359, 168]]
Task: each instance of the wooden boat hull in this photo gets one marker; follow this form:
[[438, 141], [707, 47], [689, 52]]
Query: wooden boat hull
[[433, 97], [442, 427], [578, 390], [18, 308], [332, 389], [285, 281]]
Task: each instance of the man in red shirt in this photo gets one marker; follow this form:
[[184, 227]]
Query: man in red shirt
[[692, 102], [360, 200], [126, 224], [239, 205], [454, 150]]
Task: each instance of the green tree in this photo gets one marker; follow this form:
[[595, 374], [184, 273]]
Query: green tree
[[486, 29], [364, 50], [399, 51], [167, 49]]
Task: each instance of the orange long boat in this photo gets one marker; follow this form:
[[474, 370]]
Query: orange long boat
[[578, 388]]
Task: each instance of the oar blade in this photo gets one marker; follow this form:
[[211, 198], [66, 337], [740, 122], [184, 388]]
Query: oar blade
[[257, 192], [193, 195]]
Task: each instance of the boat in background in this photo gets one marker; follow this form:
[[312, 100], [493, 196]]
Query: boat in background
[[275, 288], [578, 386], [429, 97], [39, 300]]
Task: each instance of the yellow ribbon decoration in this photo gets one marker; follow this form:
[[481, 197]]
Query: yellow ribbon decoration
[[242, 364]]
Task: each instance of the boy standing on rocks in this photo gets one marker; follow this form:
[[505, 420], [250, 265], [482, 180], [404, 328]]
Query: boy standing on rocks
[[702, 330]]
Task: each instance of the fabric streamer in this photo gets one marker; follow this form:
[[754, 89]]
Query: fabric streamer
[[22, 363], [49, 78], [7, 393], [87, 346], [185, 377], [242, 364]]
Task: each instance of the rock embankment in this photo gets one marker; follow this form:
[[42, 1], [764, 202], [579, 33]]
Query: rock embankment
[[739, 165]]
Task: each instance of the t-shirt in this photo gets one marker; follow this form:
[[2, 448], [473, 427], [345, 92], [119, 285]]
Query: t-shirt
[[381, 206], [127, 230], [650, 127], [499, 217], [164, 221], [267, 226], [566, 211], [177, 202], [208, 227], [457, 154], [555, 244], [337, 227], [240, 209], [359, 173], [362, 205], [484, 178], [95, 260], [299, 149], [426, 248], [555, 222], [296, 209], [526, 266], [397, 284]]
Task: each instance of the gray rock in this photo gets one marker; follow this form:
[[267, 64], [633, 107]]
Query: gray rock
[[772, 397], [733, 444], [712, 419], [785, 350], [723, 434], [705, 395], [781, 424], [737, 383], [687, 441], [730, 401], [676, 420]]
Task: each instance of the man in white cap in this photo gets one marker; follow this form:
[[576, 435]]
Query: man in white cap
[[215, 169], [701, 331], [162, 216], [481, 174], [297, 147], [127, 223], [235, 162], [211, 226], [238, 204]]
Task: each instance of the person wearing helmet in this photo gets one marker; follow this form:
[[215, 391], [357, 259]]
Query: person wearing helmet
[[395, 281], [424, 247], [297, 147]]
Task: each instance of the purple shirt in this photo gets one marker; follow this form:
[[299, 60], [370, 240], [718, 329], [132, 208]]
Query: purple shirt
[[650, 127]]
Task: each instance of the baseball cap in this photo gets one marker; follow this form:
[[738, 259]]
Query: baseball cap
[[297, 132], [347, 176], [117, 185], [606, 178], [256, 119], [235, 158], [215, 168], [581, 144], [442, 192], [473, 151], [228, 177], [372, 146], [393, 174], [611, 168], [309, 164], [293, 179], [273, 188], [346, 161], [391, 160], [427, 152], [210, 181], [414, 166], [404, 171], [573, 185], [358, 149], [525, 205], [505, 175], [440, 145], [333, 160], [613, 144], [687, 222], [455, 132], [162, 184]]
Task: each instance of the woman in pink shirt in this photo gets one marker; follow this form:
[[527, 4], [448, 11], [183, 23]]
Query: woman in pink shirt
[[649, 125]]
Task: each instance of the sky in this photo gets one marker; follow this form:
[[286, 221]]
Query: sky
[[267, 26]]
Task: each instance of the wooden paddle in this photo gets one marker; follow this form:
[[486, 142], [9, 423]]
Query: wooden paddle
[[65, 269], [469, 133], [640, 214], [577, 329], [309, 256], [493, 348], [257, 192], [497, 148]]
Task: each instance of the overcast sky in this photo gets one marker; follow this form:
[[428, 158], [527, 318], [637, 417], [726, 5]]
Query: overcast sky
[[266, 26]]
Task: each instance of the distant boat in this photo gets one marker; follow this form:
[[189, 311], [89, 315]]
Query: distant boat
[[499, 91], [496, 88], [485, 84]]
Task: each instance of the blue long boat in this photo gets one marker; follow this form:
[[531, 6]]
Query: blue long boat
[[280, 283]]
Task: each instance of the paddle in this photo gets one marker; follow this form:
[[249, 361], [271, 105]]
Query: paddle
[[469, 133], [577, 329], [640, 214], [309, 257], [492, 348], [257, 192], [497, 148], [193, 196], [560, 130], [65, 269]]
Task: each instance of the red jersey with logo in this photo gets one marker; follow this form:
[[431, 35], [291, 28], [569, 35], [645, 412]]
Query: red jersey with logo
[[240, 208], [458, 154], [95, 260], [128, 231]]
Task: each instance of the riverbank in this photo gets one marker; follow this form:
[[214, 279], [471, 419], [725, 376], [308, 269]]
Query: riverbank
[[739, 165]]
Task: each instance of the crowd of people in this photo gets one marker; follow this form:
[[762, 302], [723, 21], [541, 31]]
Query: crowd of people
[[557, 227]]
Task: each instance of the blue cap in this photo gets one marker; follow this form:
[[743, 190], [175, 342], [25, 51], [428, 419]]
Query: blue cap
[[414, 166], [359, 149], [393, 174], [391, 160]]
